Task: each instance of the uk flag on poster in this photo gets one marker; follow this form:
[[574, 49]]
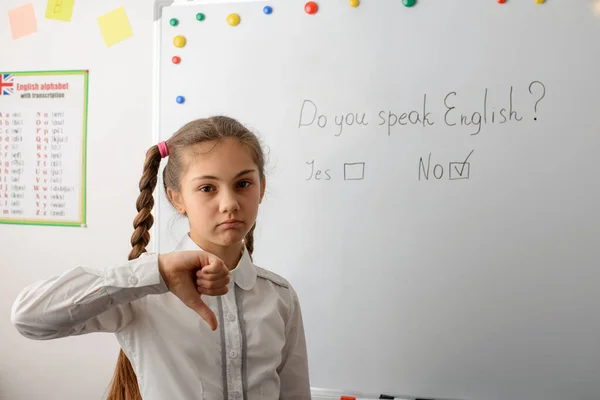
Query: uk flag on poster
[[7, 84]]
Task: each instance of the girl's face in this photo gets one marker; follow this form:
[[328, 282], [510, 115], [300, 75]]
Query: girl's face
[[220, 193]]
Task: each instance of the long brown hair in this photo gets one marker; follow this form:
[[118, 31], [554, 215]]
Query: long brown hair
[[124, 385]]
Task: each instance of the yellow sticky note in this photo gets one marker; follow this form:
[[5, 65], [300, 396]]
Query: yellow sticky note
[[22, 21], [61, 10], [115, 26]]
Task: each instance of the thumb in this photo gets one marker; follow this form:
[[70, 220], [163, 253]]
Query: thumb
[[193, 300], [206, 313]]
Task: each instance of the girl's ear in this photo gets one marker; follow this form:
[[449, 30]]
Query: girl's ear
[[263, 185], [177, 201]]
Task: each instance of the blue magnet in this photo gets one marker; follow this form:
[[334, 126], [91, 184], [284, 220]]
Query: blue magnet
[[267, 10], [180, 99]]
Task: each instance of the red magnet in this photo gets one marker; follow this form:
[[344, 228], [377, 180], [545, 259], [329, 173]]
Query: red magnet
[[501, 1], [311, 7], [176, 60]]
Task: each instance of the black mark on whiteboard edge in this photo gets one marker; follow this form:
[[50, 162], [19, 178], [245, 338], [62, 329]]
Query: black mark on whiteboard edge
[[352, 176]]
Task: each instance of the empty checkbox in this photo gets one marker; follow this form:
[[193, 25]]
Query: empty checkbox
[[354, 171]]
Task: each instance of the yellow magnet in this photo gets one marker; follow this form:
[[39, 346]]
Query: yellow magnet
[[179, 41], [540, 1], [233, 19], [353, 3]]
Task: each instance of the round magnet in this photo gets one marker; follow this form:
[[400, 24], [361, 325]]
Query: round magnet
[[267, 10], [180, 99], [353, 3], [311, 7], [233, 19], [176, 60], [409, 3], [200, 17], [179, 41], [174, 22]]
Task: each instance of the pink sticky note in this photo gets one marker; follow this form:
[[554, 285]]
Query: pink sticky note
[[22, 21]]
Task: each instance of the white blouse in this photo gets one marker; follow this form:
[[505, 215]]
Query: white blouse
[[257, 353]]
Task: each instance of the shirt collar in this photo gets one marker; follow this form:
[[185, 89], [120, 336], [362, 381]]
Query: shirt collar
[[244, 275]]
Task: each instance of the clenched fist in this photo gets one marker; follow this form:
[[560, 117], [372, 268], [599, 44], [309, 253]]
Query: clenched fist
[[190, 274]]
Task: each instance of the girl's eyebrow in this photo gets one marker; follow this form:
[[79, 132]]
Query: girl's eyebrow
[[242, 173]]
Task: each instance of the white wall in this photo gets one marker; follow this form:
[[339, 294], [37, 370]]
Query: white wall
[[120, 106]]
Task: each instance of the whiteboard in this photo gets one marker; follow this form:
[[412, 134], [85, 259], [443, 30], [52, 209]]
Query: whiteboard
[[432, 183]]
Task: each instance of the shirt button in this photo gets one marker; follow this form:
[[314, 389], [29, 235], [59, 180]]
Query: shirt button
[[233, 354], [133, 280]]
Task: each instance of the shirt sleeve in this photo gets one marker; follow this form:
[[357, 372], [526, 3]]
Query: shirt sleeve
[[293, 371], [84, 300]]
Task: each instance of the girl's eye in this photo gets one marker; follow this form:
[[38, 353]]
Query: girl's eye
[[206, 188], [244, 184]]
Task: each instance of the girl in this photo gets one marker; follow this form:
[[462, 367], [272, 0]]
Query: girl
[[153, 304]]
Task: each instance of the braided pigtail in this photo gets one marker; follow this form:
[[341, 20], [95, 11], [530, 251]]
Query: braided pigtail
[[145, 202], [249, 240], [124, 384]]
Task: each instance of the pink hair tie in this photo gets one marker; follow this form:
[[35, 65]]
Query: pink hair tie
[[162, 148]]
